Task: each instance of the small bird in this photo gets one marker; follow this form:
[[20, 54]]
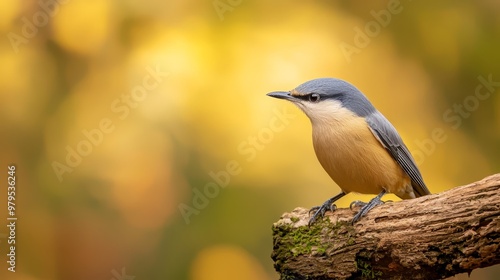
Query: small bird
[[356, 145]]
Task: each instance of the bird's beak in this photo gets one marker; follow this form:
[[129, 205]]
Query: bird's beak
[[281, 95]]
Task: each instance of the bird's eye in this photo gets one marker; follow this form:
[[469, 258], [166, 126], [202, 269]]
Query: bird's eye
[[314, 97]]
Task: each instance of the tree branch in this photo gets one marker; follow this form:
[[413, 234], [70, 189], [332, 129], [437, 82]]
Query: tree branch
[[430, 237]]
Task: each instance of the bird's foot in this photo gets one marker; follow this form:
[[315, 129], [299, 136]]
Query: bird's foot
[[366, 207], [359, 203], [319, 211]]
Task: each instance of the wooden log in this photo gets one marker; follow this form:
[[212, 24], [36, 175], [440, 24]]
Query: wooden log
[[431, 237]]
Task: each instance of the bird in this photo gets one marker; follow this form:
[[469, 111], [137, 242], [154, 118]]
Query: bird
[[356, 145]]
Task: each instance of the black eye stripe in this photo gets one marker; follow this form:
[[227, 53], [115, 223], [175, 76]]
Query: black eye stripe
[[307, 96]]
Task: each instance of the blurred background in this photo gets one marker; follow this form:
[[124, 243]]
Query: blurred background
[[146, 148]]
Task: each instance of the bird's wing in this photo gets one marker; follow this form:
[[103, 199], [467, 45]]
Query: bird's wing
[[387, 135]]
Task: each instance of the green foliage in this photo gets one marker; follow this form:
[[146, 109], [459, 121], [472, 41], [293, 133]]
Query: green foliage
[[314, 239]]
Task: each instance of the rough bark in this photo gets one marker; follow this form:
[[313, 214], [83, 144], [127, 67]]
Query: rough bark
[[431, 237]]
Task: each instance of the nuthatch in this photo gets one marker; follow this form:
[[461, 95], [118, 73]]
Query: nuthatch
[[356, 145]]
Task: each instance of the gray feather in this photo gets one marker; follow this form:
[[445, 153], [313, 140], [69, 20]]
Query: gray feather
[[340, 90], [392, 142]]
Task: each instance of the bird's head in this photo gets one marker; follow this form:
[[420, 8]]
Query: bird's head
[[327, 99]]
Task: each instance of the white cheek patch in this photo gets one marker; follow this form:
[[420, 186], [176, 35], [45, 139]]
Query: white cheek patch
[[326, 111]]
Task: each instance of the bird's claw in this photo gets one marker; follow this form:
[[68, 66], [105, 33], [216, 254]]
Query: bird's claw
[[365, 207], [356, 203], [319, 211], [359, 203]]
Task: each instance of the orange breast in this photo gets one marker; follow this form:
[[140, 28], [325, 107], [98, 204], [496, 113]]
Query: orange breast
[[356, 160]]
